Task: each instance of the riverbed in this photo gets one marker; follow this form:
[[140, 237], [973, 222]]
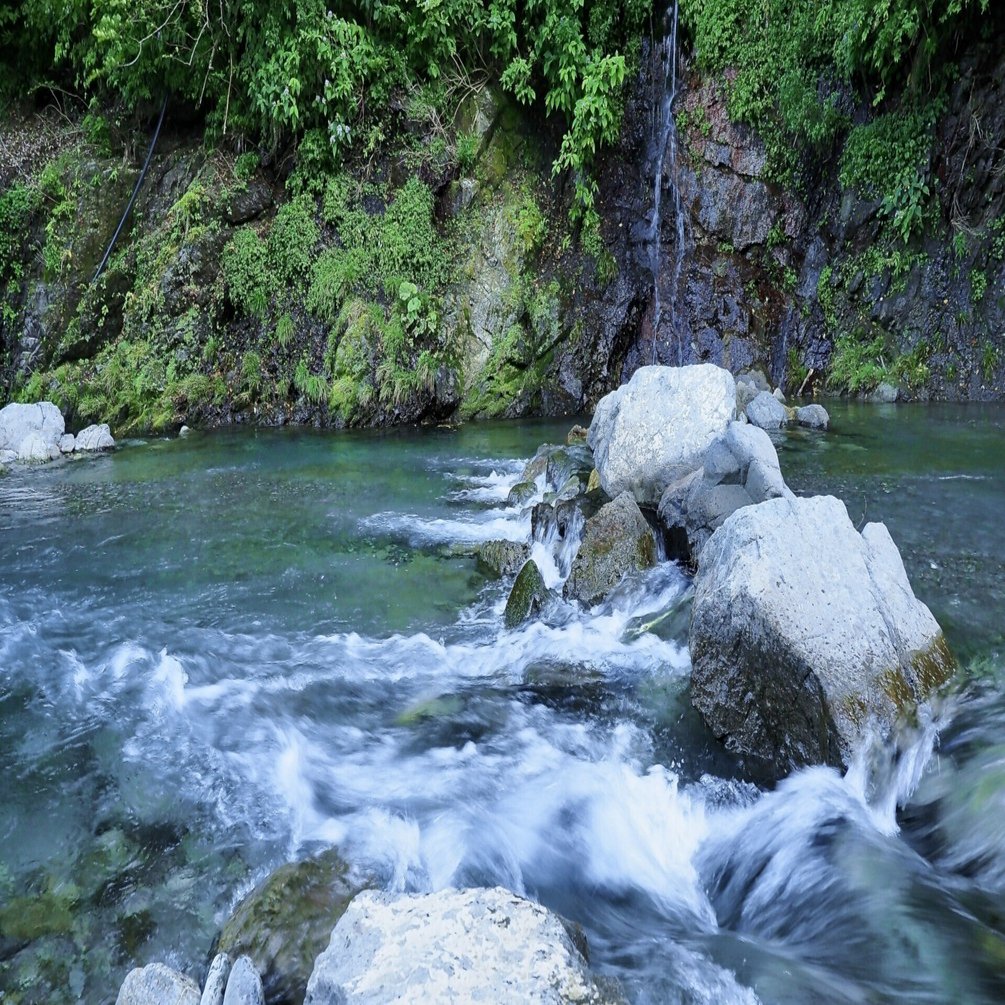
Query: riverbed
[[225, 651]]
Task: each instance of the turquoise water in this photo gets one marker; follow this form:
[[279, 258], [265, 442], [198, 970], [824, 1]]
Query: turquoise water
[[223, 652]]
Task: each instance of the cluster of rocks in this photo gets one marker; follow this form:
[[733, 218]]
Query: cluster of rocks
[[35, 434], [805, 635], [763, 406], [325, 947]]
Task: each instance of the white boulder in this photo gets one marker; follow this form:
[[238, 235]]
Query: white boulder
[[95, 438], [656, 428]]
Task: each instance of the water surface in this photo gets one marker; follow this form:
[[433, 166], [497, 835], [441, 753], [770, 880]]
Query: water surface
[[223, 652]]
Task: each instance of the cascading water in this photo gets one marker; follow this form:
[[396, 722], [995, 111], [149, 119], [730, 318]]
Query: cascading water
[[665, 151], [220, 653]]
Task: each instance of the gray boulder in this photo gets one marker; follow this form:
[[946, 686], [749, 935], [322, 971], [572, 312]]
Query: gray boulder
[[244, 986], [740, 469], [813, 416], [767, 411], [526, 597], [156, 984], [484, 945], [67, 443], [755, 379], [655, 429], [216, 980], [17, 422], [805, 634], [616, 540], [501, 558], [745, 394], [95, 438], [35, 449], [285, 922], [885, 394]]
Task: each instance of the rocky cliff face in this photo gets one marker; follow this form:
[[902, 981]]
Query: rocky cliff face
[[233, 298], [775, 277]]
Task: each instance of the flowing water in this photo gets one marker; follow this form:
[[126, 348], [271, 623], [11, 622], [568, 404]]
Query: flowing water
[[664, 151], [223, 652]]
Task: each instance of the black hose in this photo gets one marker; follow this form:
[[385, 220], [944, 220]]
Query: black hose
[[132, 198]]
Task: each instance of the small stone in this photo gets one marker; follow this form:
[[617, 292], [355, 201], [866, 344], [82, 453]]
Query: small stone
[[67, 443], [244, 986], [779, 395], [184, 431], [521, 494], [813, 416], [594, 483]]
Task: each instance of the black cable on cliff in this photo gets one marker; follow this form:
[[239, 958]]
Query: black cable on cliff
[[136, 189]]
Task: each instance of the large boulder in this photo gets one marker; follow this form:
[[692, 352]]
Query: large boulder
[[806, 634], [285, 922], [616, 540], [157, 984], [42, 423], [739, 469], [501, 558], [484, 945], [655, 429], [813, 416]]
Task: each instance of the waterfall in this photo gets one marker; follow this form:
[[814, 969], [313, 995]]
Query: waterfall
[[665, 145]]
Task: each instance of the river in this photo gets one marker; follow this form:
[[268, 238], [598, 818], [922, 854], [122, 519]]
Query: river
[[225, 651]]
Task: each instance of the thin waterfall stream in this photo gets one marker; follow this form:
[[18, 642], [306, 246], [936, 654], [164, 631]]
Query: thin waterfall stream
[[664, 147]]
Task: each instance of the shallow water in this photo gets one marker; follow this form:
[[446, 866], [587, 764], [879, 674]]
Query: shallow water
[[223, 652]]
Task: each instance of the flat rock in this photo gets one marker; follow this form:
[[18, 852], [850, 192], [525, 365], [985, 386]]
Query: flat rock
[[95, 438], [473, 946], [806, 635], [616, 540], [767, 412], [156, 984], [655, 429]]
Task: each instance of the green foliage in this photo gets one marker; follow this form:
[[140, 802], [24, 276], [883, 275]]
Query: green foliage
[[529, 223], [326, 72], [989, 361], [791, 60], [858, 362], [245, 273], [826, 295], [246, 165], [978, 285], [291, 242]]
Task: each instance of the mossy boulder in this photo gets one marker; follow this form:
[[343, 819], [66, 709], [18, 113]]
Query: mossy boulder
[[501, 558], [527, 596], [617, 540], [285, 923], [521, 493]]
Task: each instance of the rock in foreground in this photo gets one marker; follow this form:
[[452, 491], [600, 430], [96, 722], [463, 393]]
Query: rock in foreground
[[655, 429], [528, 594], [157, 984], [486, 946], [805, 632]]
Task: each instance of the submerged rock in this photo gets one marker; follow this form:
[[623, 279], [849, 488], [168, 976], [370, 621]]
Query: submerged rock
[[739, 469], [527, 595], [156, 984], [482, 945], [767, 412], [656, 428], [501, 558], [616, 540], [813, 416], [806, 634], [284, 922]]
